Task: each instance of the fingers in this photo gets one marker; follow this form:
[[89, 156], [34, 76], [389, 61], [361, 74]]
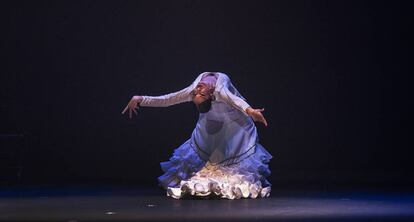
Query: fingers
[[262, 119], [126, 108], [259, 110], [264, 122], [131, 108], [259, 116]]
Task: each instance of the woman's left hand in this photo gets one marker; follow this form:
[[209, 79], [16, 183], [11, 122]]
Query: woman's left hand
[[257, 115]]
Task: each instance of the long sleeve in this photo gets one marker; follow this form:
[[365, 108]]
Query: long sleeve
[[233, 100], [168, 99]]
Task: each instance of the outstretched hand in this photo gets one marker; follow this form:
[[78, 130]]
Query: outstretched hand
[[257, 115], [132, 105]]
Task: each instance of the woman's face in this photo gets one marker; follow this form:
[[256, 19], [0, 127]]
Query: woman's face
[[202, 92]]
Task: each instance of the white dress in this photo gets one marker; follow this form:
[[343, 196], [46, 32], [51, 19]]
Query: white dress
[[223, 156]]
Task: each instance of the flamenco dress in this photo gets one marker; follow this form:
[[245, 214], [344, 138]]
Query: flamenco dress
[[223, 156]]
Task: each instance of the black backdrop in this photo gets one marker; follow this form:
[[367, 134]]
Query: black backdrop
[[331, 75]]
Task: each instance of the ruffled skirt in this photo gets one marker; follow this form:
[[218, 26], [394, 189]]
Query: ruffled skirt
[[187, 174]]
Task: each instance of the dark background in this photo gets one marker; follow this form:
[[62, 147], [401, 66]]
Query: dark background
[[331, 75]]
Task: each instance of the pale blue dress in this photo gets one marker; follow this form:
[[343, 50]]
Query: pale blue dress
[[223, 156]]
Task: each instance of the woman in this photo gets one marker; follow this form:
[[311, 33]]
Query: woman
[[223, 156]]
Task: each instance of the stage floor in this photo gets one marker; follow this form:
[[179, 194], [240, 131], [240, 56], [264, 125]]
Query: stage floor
[[94, 203]]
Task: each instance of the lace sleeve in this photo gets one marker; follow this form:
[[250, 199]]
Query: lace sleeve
[[169, 99]]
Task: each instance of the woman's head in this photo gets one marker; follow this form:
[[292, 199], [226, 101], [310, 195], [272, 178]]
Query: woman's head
[[202, 97]]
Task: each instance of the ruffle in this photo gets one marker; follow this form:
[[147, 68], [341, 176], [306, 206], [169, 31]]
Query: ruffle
[[183, 164], [187, 174]]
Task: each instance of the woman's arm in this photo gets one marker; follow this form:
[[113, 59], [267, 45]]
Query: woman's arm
[[183, 95], [167, 99], [158, 101], [240, 103], [234, 100], [170, 99]]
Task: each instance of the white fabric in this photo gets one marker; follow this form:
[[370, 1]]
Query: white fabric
[[225, 182]]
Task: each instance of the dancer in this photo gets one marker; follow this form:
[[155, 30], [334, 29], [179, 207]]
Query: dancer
[[223, 156]]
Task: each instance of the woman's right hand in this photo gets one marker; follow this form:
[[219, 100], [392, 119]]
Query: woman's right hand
[[132, 105]]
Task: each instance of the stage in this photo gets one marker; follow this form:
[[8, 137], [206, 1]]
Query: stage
[[327, 84], [110, 203]]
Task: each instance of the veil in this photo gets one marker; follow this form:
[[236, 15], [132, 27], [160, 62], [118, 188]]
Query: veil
[[227, 83]]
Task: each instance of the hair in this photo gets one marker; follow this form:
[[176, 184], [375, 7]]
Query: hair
[[205, 106]]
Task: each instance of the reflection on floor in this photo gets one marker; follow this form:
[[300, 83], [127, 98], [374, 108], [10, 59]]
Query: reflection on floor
[[93, 203]]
